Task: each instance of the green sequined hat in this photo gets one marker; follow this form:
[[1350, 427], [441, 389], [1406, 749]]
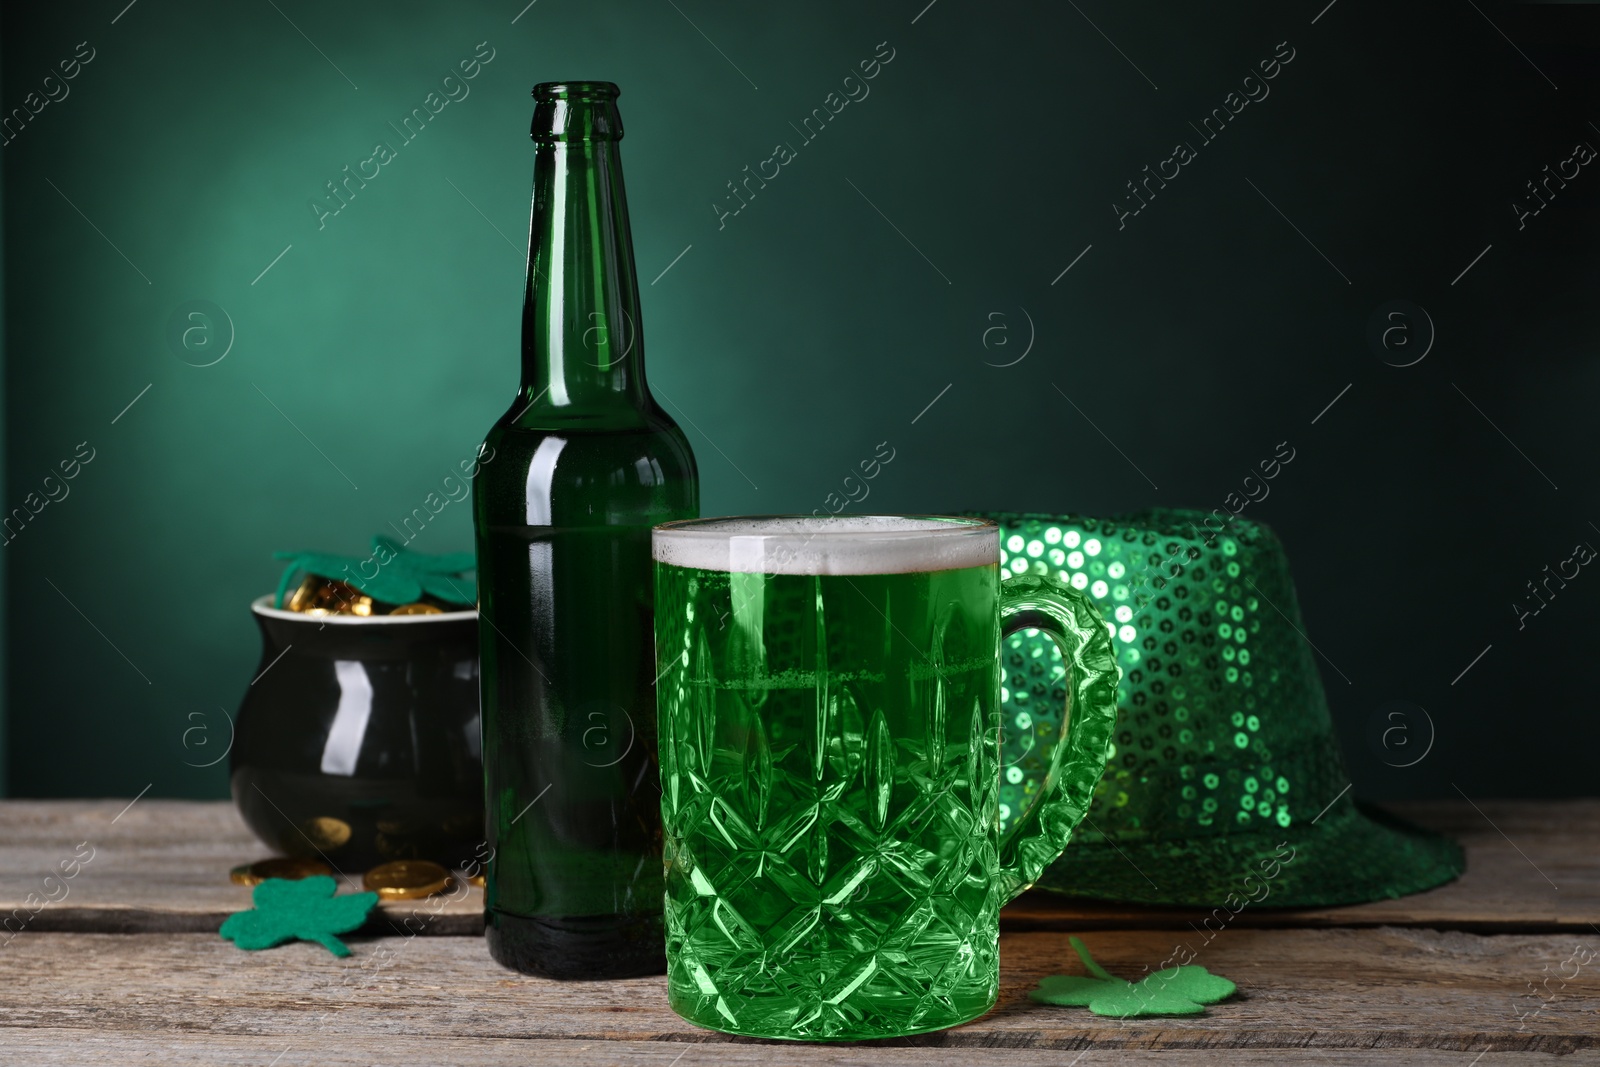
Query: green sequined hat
[[1224, 758]]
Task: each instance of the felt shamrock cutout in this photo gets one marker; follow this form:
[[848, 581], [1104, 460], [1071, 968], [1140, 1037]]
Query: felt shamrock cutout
[[304, 909], [391, 573], [1173, 991]]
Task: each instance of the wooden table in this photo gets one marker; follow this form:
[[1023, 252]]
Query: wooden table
[[126, 967]]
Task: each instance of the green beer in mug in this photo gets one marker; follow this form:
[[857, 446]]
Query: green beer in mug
[[829, 716]]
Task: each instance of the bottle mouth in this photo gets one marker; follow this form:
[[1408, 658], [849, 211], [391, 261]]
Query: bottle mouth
[[575, 111], [585, 91]]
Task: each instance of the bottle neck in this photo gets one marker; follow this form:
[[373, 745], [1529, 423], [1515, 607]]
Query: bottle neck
[[582, 349]]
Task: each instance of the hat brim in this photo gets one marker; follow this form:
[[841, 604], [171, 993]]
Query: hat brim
[[1352, 855]]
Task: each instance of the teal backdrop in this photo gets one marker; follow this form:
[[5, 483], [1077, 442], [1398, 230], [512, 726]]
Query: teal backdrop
[[950, 258]]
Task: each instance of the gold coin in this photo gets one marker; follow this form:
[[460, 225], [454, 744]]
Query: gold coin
[[325, 596], [398, 846], [325, 832], [417, 609], [407, 879], [290, 867], [305, 597], [477, 879]]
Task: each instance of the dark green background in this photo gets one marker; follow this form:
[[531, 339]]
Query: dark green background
[[807, 330]]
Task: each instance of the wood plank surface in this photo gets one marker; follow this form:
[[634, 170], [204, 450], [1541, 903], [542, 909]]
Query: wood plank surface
[[48, 1047], [1402, 991], [162, 865], [158, 866]]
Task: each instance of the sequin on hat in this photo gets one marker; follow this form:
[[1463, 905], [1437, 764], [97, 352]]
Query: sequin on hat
[[1224, 754]]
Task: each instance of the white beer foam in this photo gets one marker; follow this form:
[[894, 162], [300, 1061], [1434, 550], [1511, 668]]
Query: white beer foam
[[845, 544]]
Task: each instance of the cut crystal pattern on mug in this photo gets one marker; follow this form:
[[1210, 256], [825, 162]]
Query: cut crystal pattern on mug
[[828, 855]]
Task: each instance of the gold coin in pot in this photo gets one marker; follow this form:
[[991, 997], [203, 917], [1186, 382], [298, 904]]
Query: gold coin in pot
[[326, 596], [407, 879], [418, 608], [305, 597], [398, 846], [325, 832]]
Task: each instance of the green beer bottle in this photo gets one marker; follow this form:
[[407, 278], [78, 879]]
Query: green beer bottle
[[583, 464]]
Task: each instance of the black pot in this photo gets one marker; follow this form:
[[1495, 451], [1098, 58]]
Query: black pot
[[359, 741]]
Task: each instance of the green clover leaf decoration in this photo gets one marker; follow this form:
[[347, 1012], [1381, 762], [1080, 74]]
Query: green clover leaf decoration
[[401, 577], [1172, 991], [305, 909]]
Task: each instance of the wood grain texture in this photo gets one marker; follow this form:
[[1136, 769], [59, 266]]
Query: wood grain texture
[[1403, 992], [49, 1047], [163, 866]]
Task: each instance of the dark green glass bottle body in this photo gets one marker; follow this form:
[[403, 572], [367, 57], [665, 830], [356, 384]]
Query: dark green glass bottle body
[[584, 464]]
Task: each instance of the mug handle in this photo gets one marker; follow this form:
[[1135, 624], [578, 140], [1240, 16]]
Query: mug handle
[[1078, 759]]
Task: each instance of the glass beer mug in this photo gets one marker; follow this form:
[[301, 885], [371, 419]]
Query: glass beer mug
[[829, 714]]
